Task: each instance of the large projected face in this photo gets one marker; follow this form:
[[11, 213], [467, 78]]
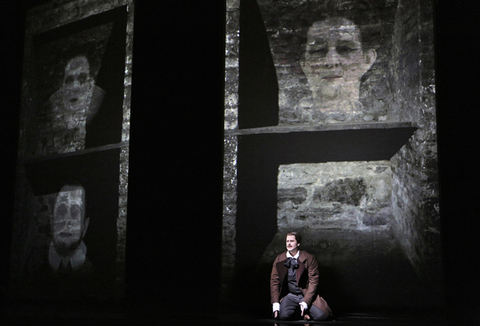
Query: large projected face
[[68, 223], [334, 61], [77, 84]]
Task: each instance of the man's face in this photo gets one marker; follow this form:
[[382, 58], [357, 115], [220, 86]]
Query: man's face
[[291, 243], [77, 84], [68, 222], [334, 61]]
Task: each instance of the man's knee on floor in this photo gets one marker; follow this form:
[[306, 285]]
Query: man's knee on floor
[[289, 315]]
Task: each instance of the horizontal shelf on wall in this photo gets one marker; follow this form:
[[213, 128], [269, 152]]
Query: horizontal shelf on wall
[[262, 150], [77, 153], [93, 167], [329, 127], [315, 144]]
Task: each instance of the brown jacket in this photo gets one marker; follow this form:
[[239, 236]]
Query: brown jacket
[[307, 280]]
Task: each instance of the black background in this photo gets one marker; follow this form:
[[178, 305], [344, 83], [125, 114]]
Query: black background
[[175, 181]]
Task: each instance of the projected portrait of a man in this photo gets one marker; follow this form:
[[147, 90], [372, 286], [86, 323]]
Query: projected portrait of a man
[[334, 63], [74, 105], [64, 269], [69, 225]]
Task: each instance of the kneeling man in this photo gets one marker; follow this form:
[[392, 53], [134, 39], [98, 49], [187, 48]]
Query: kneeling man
[[293, 284]]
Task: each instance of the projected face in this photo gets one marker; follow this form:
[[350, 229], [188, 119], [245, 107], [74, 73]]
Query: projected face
[[77, 84], [334, 60], [68, 223]]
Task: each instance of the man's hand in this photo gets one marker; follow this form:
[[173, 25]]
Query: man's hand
[[276, 309], [303, 307], [275, 314]]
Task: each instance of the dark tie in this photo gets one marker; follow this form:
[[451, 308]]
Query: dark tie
[[291, 262]]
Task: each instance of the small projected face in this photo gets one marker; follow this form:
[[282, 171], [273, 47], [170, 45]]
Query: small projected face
[[68, 222], [77, 84], [334, 60]]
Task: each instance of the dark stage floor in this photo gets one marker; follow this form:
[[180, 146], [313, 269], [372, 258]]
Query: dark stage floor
[[26, 313]]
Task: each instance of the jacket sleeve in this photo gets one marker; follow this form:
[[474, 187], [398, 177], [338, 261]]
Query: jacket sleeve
[[275, 283], [312, 280]]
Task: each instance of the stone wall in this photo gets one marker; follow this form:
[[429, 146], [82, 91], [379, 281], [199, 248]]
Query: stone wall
[[415, 197], [335, 195], [374, 226], [287, 24], [92, 151], [232, 36]]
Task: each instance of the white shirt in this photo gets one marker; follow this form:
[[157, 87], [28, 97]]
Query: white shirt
[[289, 255]]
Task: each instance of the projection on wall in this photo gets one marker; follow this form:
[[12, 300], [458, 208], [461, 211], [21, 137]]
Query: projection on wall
[[334, 62], [330, 130], [72, 173]]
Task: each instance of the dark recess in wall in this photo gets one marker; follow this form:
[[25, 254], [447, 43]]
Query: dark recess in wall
[[457, 86], [11, 38], [258, 86], [175, 187]]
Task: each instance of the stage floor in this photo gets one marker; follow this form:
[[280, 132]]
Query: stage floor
[[127, 314]]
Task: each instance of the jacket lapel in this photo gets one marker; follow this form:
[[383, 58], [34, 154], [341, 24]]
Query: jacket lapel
[[301, 265], [282, 269]]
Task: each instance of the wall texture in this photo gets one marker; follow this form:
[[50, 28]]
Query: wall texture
[[415, 196], [232, 35], [334, 195]]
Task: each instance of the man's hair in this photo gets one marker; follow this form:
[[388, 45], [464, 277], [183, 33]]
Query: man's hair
[[297, 236], [341, 21], [74, 186], [71, 187], [76, 61]]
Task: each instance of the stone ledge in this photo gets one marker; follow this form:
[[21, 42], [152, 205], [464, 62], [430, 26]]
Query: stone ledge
[[330, 127], [91, 167], [123, 144]]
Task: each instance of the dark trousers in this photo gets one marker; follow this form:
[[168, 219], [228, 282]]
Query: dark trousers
[[290, 308]]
